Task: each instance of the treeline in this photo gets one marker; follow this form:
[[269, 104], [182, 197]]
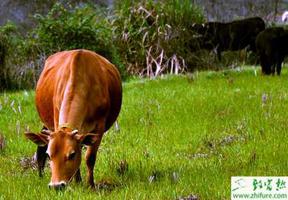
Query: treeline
[[144, 38]]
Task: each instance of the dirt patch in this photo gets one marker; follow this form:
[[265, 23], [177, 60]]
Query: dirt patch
[[199, 155], [229, 139], [190, 197], [28, 163], [107, 185], [224, 141], [213, 146]]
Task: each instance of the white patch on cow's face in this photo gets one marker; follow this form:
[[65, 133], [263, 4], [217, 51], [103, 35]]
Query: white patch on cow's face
[[57, 185]]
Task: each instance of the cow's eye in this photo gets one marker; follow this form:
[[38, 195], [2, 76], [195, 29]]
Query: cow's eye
[[72, 156]]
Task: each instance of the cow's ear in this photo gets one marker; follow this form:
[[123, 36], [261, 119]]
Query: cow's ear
[[88, 139], [39, 139]]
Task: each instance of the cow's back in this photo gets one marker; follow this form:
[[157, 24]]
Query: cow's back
[[244, 32], [46, 87], [272, 42], [82, 72], [264, 40]]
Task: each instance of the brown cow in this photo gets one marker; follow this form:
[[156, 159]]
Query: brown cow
[[78, 98]]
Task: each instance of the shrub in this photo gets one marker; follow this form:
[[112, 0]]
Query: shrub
[[84, 27], [9, 40], [65, 29]]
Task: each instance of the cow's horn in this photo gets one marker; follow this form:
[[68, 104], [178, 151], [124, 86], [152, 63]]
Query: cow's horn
[[46, 131], [74, 132]]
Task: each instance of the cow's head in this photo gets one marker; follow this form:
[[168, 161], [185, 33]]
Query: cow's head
[[199, 28], [64, 151]]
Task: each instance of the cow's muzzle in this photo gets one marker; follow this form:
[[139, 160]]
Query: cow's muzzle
[[58, 186]]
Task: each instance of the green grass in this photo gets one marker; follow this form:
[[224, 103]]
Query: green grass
[[192, 133]]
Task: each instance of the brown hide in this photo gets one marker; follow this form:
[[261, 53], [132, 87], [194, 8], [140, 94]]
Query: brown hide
[[77, 90], [86, 85]]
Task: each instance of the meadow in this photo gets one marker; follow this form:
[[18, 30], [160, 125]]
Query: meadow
[[179, 136]]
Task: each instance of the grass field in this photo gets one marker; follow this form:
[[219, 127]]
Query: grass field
[[179, 135]]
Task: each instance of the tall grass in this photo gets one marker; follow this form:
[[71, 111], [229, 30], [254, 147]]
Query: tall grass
[[153, 36], [179, 136]]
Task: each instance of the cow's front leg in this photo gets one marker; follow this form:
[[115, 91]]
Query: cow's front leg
[[218, 53], [279, 64], [91, 154], [273, 69]]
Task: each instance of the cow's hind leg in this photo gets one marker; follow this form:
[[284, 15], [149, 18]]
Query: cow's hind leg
[[218, 53], [91, 154]]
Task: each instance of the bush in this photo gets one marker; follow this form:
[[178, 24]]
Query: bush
[[153, 36], [18, 58], [9, 40], [63, 28], [76, 28], [66, 28]]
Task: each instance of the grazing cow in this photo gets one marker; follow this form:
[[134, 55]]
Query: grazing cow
[[78, 98], [272, 48], [235, 35]]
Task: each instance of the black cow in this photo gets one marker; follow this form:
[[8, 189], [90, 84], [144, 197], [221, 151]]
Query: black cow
[[232, 36], [272, 47]]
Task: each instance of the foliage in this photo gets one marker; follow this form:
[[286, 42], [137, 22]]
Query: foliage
[[153, 36], [179, 135], [20, 60], [9, 40], [65, 29], [84, 27], [145, 38]]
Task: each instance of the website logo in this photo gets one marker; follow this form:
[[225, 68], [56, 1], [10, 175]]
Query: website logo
[[259, 187]]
